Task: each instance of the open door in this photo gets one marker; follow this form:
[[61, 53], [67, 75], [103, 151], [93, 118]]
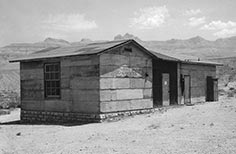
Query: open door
[[165, 89], [187, 93], [215, 87], [212, 89]]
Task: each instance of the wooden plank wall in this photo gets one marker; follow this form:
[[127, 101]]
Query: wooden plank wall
[[198, 74], [125, 80], [79, 85]]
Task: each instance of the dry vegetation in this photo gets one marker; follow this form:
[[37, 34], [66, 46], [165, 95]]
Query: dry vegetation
[[9, 88]]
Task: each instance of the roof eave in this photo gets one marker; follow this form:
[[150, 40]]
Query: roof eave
[[202, 63], [42, 58]]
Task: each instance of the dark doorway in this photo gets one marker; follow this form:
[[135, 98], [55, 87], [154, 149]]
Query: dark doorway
[[212, 89], [187, 93], [161, 67], [165, 89]]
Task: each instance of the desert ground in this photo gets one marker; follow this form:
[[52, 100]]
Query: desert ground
[[206, 128]]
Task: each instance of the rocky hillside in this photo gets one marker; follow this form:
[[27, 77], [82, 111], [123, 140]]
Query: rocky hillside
[[196, 46]]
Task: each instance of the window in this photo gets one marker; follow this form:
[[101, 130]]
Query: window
[[52, 80], [128, 49]]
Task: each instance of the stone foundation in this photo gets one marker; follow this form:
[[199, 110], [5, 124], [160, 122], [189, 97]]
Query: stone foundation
[[58, 117], [64, 117]]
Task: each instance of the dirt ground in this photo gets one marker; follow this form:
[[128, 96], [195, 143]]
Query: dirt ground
[[204, 128]]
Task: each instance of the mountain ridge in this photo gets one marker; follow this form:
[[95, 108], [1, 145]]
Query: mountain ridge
[[196, 46]]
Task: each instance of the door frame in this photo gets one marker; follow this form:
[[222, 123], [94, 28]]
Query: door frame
[[189, 88], [211, 94]]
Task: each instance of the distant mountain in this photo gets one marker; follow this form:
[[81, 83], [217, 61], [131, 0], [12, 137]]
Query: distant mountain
[[217, 50], [196, 46], [27, 48], [127, 36]]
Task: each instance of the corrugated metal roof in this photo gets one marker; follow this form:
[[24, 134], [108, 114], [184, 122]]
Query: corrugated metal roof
[[87, 49], [97, 47], [204, 62], [183, 58], [163, 56]]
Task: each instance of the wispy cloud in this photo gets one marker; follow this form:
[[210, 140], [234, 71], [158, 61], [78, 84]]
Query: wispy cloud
[[192, 12], [69, 23], [225, 32], [218, 25], [150, 17], [222, 29], [193, 21]]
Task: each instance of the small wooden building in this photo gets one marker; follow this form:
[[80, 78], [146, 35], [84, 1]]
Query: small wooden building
[[105, 79]]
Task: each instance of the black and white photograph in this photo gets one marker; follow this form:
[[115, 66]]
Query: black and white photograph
[[117, 77]]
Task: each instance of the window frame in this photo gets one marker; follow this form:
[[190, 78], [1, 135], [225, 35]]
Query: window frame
[[46, 95]]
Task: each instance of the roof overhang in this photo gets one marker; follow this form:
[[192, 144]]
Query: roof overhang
[[153, 54]]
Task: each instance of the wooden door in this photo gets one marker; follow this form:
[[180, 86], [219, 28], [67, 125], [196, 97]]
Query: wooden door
[[212, 89], [165, 89], [215, 87], [187, 93]]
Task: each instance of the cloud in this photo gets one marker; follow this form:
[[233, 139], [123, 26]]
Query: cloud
[[219, 25], [193, 21], [222, 29], [225, 32], [149, 18], [192, 12], [69, 23]]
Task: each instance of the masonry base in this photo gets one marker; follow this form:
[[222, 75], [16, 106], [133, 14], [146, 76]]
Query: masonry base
[[66, 117]]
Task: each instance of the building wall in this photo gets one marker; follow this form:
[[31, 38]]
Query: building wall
[[125, 80], [159, 67], [198, 74], [79, 85]]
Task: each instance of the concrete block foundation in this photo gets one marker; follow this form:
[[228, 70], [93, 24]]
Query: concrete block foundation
[[81, 118]]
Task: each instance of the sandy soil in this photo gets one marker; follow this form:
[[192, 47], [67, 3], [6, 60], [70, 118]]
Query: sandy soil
[[203, 128]]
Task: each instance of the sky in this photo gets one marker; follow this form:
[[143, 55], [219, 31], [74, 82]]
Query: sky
[[72, 20]]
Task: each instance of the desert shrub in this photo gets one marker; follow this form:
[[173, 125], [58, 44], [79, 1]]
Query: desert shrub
[[9, 99], [3, 112], [230, 94], [222, 92]]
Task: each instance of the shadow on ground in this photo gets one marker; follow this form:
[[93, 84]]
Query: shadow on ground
[[19, 122]]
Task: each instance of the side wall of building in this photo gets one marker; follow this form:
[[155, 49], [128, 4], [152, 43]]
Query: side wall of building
[[125, 79], [79, 85], [198, 80]]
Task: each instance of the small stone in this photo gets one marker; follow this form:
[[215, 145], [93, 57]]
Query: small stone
[[18, 134]]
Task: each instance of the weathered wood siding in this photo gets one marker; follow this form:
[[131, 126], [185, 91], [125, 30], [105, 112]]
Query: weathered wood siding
[[79, 85], [198, 74], [125, 80]]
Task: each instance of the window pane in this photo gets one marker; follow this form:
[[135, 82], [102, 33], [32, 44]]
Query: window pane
[[56, 75], [52, 82], [57, 68], [53, 91], [57, 91], [58, 84], [47, 68], [52, 75]]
